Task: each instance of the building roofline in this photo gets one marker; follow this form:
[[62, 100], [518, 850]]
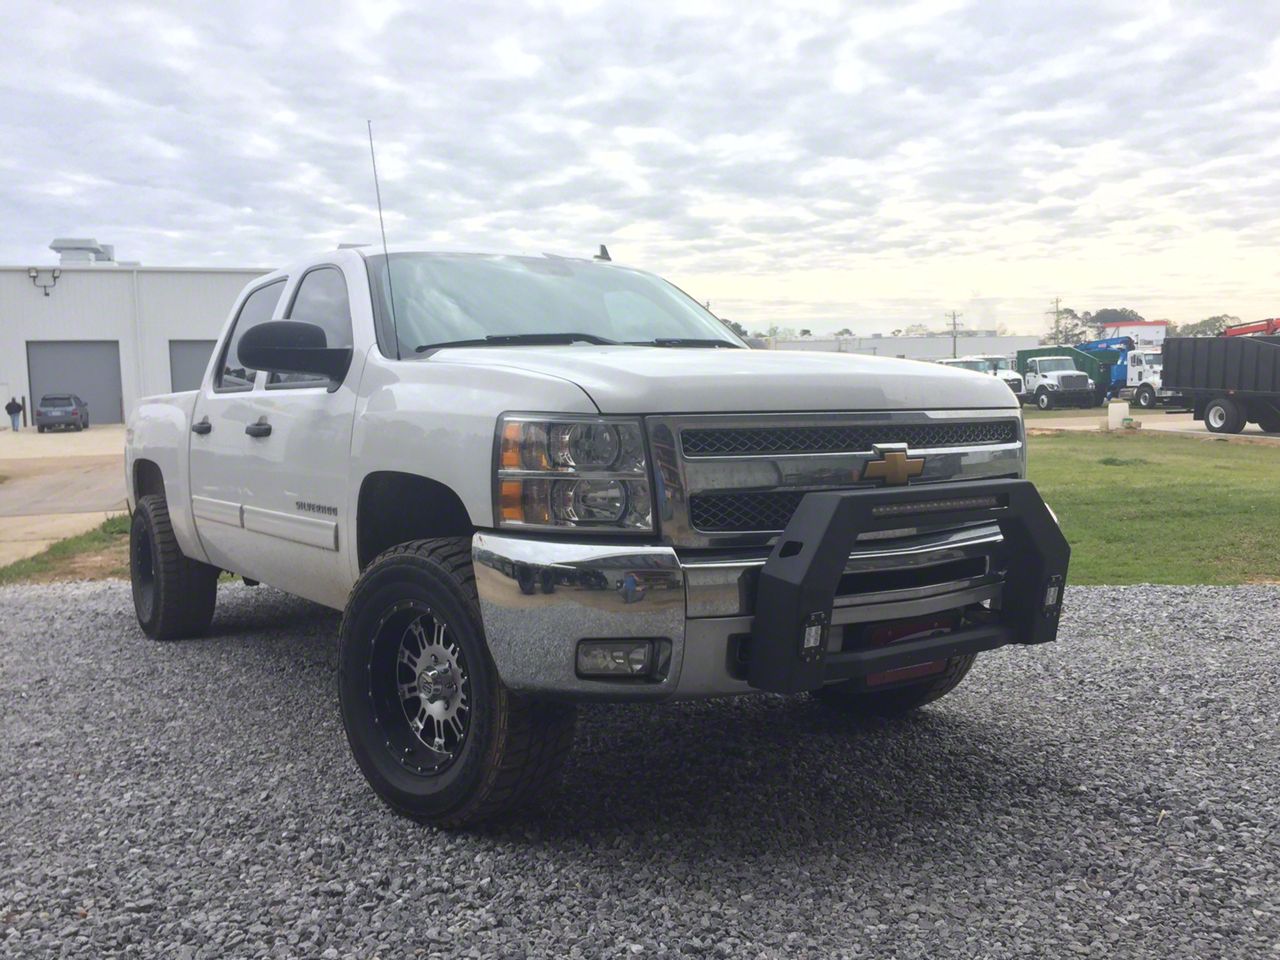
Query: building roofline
[[125, 268], [1137, 323]]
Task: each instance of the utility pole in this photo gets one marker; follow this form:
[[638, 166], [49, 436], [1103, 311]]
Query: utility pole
[[955, 329], [1057, 321]]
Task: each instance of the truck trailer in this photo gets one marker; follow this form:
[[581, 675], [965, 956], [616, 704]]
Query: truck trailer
[[1228, 381]]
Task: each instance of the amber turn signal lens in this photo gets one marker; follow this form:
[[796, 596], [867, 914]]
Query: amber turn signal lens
[[511, 499], [511, 447]]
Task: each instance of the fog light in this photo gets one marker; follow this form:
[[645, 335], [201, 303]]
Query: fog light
[[614, 658]]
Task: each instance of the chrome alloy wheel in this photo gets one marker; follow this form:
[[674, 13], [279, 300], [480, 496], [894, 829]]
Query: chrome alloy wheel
[[418, 686]]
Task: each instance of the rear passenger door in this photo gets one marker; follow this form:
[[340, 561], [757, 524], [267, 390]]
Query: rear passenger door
[[295, 478]]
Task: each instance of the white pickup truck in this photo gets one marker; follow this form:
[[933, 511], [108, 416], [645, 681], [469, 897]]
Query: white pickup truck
[[534, 481]]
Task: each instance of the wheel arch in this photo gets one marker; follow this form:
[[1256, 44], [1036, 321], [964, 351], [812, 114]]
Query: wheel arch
[[148, 479], [394, 507]]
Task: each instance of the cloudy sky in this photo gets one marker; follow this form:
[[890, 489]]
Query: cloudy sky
[[814, 165]]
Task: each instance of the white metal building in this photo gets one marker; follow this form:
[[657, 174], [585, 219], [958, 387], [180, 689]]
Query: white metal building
[[109, 332], [1145, 333], [912, 348]]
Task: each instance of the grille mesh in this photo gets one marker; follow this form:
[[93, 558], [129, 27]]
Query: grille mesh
[[1075, 381], [729, 512], [847, 438]]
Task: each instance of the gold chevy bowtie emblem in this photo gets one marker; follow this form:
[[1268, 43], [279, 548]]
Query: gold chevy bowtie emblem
[[894, 467]]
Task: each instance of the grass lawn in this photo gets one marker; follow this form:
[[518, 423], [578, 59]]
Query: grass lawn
[[102, 552], [1143, 508]]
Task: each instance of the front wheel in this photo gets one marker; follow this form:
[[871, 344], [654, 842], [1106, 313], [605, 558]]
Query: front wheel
[[853, 697], [173, 595], [1044, 400], [434, 731], [1145, 397]]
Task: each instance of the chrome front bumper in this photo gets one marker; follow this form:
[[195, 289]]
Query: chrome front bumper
[[538, 598]]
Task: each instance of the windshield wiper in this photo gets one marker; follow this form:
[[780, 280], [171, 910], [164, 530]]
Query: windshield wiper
[[683, 342], [507, 339]]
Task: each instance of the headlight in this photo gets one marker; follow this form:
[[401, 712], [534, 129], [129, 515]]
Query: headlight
[[1052, 384], [587, 473]]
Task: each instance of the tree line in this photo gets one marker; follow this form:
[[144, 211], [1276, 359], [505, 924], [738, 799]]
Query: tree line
[[1068, 326]]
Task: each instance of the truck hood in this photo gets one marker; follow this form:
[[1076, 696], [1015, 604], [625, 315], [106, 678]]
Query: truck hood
[[656, 380]]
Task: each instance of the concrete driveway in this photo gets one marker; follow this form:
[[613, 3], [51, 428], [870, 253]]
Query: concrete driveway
[[1156, 420], [57, 485]]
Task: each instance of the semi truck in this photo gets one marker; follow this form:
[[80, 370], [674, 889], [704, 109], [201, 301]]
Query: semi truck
[[1136, 372], [1231, 380]]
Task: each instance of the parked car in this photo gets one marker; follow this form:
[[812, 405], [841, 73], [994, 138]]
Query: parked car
[[536, 481], [63, 411]]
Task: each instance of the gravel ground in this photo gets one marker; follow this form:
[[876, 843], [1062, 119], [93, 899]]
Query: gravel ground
[[1114, 794]]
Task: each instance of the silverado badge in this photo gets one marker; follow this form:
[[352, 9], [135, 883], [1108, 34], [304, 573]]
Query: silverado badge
[[894, 467]]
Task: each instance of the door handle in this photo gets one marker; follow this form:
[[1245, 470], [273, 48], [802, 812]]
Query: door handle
[[203, 427], [259, 429]]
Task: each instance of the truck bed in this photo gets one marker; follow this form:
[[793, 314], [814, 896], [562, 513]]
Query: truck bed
[[1243, 365]]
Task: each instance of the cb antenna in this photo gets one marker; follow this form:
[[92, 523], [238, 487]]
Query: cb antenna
[[386, 257]]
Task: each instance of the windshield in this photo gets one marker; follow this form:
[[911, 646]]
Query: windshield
[[1151, 359], [1056, 364], [442, 298], [1001, 363], [978, 366]]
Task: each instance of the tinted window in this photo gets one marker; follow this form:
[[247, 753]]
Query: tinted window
[[257, 308], [56, 402], [321, 299]]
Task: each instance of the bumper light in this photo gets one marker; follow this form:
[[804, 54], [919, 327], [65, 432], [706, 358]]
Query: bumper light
[[615, 658]]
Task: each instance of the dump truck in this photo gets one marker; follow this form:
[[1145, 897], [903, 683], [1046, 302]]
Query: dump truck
[[1228, 381]]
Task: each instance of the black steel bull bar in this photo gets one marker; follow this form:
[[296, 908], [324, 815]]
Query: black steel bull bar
[[796, 591]]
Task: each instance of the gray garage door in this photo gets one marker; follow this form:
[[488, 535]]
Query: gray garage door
[[88, 368], [187, 360]]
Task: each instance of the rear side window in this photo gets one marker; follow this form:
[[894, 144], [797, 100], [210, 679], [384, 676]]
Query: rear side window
[[321, 298], [257, 308]]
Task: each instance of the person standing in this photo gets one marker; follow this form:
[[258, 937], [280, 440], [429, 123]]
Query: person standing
[[14, 409]]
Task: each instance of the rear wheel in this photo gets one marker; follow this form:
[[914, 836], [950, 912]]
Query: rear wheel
[[1270, 424], [1145, 397], [853, 697], [39, 429], [1223, 415], [173, 595], [1044, 399], [434, 731]]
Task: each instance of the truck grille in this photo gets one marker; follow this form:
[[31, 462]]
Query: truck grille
[[743, 512], [845, 438], [1075, 381], [1015, 384]]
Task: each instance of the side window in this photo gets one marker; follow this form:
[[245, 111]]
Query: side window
[[257, 308], [321, 298]]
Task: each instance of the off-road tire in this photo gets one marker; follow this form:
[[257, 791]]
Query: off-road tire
[[514, 746], [1044, 399], [1145, 398], [895, 701], [1231, 419], [173, 595]]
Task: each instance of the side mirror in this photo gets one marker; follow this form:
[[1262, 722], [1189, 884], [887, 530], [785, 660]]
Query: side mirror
[[293, 346]]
